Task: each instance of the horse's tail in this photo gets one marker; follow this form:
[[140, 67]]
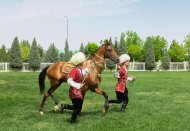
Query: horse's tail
[[41, 79]]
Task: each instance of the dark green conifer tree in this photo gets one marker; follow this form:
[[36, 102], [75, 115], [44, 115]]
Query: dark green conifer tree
[[15, 55], [166, 60], [149, 57], [52, 54], [82, 49], [4, 56], [122, 48], [34, 60]]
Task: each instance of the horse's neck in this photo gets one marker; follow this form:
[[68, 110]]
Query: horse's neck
[[99, 62]]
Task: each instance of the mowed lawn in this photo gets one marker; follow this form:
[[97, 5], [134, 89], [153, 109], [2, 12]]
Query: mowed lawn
[[158, 101]]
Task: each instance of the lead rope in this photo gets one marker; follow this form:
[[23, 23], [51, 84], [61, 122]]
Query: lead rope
[[87, 73]]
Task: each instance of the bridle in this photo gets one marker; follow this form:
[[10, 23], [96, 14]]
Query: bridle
[[108, 52]]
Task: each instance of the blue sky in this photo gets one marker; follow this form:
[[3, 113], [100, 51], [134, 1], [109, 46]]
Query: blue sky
[[91, 20]]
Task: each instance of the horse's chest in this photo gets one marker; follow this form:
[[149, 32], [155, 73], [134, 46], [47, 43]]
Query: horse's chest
[[94, 79]]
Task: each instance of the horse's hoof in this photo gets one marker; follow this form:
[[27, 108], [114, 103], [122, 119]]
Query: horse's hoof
[[106, 109], [41, 112], [56, 108]]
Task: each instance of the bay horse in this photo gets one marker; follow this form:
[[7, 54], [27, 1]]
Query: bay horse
[[91, 81]]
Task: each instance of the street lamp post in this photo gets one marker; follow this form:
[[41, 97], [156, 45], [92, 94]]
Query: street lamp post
[[67, 26]]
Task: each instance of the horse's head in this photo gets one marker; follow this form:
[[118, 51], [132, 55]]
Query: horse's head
[[109, 52]]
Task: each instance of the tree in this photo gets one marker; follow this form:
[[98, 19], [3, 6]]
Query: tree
[[67, 53], [116, 45], [41, 51], [135, 46], [110, 64], [52, 54], [133, 39], [91, 48], [25, 50], [135, 52], [82, 49], [122, 46], [159, 44], [15, 55], [176, 52], [61, 56], [34, 60], [4, 57], [187, 47], [166, 60], [149, 57]]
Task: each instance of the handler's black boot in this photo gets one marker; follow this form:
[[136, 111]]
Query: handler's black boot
[[106, 107], [62, 107], [65, 106], [74, 116], [123, 106]]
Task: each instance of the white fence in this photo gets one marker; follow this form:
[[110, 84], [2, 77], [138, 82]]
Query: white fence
[[174, 66], [133, 66], [4, 67]]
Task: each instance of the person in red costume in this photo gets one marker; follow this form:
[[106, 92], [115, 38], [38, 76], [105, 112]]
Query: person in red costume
[[122, 76], [75, 78]]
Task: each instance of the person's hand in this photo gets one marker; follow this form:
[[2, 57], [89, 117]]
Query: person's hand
[[131, 80], [81, 86], [134, 78]]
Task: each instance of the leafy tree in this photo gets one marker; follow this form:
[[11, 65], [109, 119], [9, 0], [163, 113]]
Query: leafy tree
[[135, 46], [52, 54], [122, 46], [82, 49], [159, 44], [187, 47], [176, 52], [110, 64], [135, 52], [166, 60], [149, 57], [25, 50], [15, 55], [34, 60], [133, 39], [4, 57], [91, 48]]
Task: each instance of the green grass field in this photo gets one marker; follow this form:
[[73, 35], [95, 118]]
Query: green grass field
[[158, 101]]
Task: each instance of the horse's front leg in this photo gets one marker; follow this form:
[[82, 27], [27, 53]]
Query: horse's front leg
[[106, 103]]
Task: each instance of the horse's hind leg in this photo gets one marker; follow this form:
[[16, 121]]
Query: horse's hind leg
[[50, 93], [106, 103], [46, 95]]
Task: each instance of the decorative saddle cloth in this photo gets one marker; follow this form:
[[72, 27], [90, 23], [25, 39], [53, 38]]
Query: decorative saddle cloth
[[68, 66]]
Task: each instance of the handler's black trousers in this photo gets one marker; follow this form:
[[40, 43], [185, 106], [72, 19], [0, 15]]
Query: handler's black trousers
[[76, 107], [121, 98]]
